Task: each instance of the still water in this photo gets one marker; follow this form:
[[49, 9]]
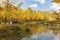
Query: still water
[[44, 36]]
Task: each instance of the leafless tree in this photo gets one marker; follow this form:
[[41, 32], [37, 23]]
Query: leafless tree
[[12, 2]]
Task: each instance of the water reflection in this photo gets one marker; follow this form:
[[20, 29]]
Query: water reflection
[[57, 37], [43, 36]]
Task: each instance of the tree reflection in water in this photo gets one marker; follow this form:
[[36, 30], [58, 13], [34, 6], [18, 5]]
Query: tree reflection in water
[[44, 36]]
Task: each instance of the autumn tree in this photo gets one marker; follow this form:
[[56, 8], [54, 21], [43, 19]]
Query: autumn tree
[[58, 16], [49, 16], [57, 1], [40, 16]]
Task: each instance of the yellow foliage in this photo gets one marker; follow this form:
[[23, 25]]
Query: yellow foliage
[[49, 16], [33, 29], [48, 30], [57, 1], [18, 14], [41, 29], [40, 15]]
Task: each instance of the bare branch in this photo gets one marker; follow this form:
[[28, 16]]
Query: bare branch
[[12, 2], [20, 4]]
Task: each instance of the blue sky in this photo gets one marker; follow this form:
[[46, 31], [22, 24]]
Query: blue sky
[[40, 5]]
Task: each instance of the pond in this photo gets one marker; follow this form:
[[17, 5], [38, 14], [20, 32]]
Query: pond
[[44, 36]]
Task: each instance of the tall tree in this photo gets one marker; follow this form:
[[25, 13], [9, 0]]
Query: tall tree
[[40, 15], [57, 1]]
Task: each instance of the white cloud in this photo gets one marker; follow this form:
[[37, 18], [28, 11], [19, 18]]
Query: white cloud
[[40, 1], [55, 6], [34, 5]]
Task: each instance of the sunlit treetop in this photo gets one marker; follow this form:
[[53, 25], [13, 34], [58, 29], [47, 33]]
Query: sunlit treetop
[[57, 1]]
